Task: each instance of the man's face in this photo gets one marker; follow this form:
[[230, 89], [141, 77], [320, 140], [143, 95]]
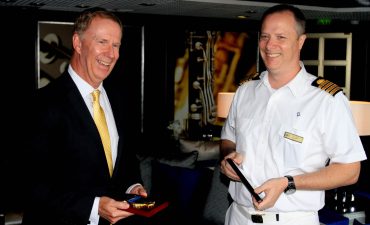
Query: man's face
[[98, 49], [280, 43]]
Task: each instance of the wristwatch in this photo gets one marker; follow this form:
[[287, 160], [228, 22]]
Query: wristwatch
[[290, 189]]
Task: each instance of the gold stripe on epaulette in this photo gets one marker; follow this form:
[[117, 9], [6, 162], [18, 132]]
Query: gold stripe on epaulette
[[327, 86]]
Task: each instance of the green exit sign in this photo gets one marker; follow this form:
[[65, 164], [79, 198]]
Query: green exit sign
[[324, 21]]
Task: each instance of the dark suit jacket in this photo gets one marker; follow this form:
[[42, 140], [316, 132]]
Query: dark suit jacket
[[67, 166]]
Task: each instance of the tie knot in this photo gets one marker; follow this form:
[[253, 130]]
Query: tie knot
[[96, 94]]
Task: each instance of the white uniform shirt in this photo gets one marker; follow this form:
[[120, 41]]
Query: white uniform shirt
[[317, 126]]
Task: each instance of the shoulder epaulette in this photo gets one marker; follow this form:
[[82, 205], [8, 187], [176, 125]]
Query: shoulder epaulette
[[255, 76], [327, 86]]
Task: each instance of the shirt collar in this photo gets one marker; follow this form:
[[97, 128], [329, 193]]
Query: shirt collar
[[296, 86], [85, 88]]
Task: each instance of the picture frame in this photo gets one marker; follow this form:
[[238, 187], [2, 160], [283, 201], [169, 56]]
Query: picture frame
[[54, 49]]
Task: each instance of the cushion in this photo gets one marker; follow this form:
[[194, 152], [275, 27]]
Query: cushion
[[185, 188], [208, 150], [331, 217], [185, 160], [218, 199]]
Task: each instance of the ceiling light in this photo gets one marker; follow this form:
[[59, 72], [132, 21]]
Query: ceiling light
[[37, 4], [82, 6], [242, 17], [248, 13]]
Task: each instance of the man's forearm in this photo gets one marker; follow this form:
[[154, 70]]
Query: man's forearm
[[332, 176], [226, 147]]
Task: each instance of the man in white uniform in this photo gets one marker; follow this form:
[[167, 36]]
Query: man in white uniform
[[291, 133]]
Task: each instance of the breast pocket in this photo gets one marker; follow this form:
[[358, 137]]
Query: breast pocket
[[294, 144]]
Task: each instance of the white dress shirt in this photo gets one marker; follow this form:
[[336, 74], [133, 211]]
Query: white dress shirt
[[292, 130]]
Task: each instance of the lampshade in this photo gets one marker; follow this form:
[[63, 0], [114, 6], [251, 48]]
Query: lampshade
[[361, 114], [224, 100]]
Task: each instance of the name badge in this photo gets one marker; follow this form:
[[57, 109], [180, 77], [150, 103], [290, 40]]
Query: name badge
[[293, 137]]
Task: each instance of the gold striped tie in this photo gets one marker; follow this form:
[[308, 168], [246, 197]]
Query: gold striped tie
[[101, 124]]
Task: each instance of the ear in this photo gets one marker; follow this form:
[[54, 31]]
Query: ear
[[76, 42], [301, 40]]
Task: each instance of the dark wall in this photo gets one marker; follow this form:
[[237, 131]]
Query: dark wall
[[18, 59], [164, 42], [360, 75]]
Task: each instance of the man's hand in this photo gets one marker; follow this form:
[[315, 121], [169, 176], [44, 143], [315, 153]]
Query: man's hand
[[272, 190], [113, 210], [139, 190], [227, 169]]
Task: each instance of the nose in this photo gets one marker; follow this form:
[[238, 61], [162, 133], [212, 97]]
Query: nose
[[270, 43], [112, 51]]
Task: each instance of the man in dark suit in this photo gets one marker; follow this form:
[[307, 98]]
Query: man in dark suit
[[71, 182]]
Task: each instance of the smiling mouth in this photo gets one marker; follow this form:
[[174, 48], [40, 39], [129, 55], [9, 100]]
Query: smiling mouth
[[272, 55], [103, 63]]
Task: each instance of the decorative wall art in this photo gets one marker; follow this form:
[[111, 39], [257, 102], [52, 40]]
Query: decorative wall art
[[213, 61], [54, 49]]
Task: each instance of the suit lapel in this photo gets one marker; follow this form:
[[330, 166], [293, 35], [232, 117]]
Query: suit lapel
[[81, 112]]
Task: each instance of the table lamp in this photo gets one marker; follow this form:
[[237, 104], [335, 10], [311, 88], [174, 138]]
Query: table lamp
[[224, 100], [361, 114], [345, 198]]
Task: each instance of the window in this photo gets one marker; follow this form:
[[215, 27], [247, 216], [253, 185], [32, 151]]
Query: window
[[329, 55]]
